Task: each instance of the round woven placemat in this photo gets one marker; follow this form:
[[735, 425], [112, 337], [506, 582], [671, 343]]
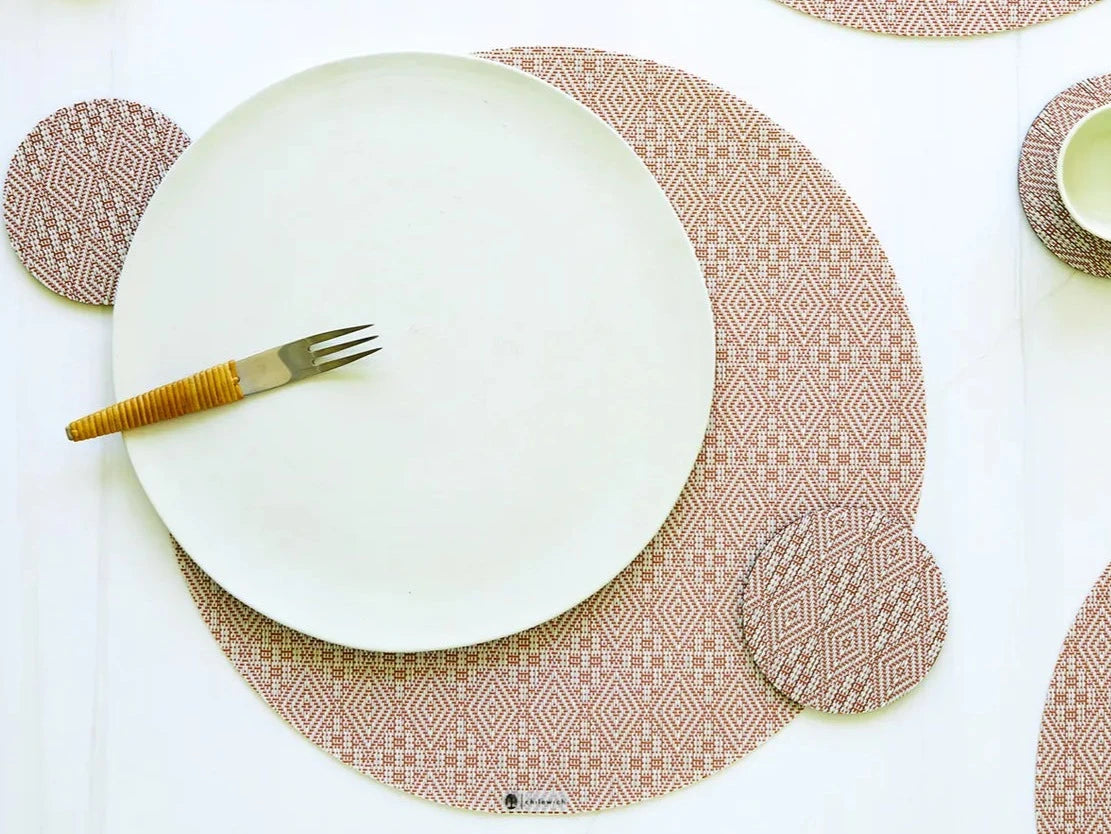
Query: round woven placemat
[[937, 18], [1037, 178], [76, 188], [845, 610], [647, 686], [1072, 793]]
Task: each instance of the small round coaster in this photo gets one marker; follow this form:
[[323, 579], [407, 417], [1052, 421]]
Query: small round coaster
[[845, 610], [1037, 178], [76, 188]]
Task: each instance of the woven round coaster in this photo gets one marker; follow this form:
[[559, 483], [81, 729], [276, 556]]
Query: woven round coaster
[[647, 686], [1037, 178], [937, 18], [844, 610], [76, 188], [1072, 793]]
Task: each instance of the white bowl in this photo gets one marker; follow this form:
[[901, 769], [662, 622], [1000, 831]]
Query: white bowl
[[1084, 172]]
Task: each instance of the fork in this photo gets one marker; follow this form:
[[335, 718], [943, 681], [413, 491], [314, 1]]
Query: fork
[[223, 384]]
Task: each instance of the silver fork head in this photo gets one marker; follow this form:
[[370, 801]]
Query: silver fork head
[[297, 360], [304, 355]]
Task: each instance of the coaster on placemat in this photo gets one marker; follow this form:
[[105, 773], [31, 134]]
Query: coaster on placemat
[[937, 18], [1072, 793], [647, 686], [76, 188], [1037, 178], [844, 610]]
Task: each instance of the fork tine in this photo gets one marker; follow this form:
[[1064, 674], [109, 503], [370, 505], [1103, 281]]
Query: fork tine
[[337, 348], [331, 334], [338, 363]]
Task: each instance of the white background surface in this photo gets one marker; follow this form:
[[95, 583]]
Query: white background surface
[[117, 710]]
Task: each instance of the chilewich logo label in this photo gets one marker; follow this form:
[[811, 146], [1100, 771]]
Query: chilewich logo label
[[536, 802]]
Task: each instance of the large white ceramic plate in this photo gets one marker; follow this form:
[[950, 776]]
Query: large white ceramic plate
[[546, 366]]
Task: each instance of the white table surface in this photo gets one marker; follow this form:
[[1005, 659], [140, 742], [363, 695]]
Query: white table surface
[[119, 713]]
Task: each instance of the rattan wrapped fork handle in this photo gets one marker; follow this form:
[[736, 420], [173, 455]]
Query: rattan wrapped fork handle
[[207, 389]]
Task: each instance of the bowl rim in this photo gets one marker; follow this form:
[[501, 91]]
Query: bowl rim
[[1074, 213]]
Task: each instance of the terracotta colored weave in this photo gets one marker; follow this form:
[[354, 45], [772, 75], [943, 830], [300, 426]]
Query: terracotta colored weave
[[76, 188], [207, 389], [647, 686], [1037, 178], [937, 18], [1072, 793], [845, 610]]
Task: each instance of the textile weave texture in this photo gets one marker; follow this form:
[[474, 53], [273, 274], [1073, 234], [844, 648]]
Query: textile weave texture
[[1072, 793], [647, 686], [937, 18], [1037, 178], [76, 188], [845, 610]]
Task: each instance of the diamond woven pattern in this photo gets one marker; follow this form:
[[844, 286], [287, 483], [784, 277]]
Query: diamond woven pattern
[[647, 686], [845, 610], [1072, 793], [1037, 178], [76, 188], [937, 18]]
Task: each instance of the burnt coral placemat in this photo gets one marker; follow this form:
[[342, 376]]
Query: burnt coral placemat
[[937, 18], [647, 686], [1072, 793]]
